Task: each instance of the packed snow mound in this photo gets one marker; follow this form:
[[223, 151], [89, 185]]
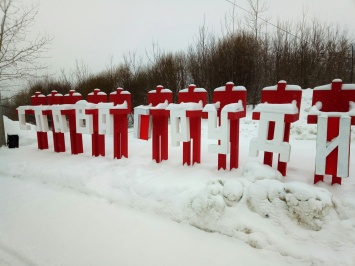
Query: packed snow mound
[[210, 201], [299, 203], [25, 137], [265, 198], [232, 192], [253, 171], [308, 206]]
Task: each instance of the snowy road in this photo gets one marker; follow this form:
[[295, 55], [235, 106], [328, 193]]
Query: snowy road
[[40, 225]]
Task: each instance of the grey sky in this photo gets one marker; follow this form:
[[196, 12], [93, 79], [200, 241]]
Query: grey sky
[[95, 30]]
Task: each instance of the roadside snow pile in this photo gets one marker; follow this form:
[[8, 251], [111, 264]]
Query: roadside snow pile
[[309, 206], [295, 219], [269, 214], [25, 137], [300, 203], [209, 203], [255, 171], [232, 192]]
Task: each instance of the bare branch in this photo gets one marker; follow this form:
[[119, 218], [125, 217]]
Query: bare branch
[[20, 56]]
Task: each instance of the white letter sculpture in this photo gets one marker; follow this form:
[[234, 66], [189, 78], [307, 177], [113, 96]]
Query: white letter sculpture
[[279, 108], [333, 111], [277, 144], [84, 122]]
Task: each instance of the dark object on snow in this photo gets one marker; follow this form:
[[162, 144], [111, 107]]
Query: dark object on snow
[[12, 141]]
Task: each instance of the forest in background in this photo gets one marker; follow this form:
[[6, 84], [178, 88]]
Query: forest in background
[[249, 52]]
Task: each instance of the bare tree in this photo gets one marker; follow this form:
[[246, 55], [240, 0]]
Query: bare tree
[[199, 59], [81, 72], [134, 62], [254, 20], [19, 55], [232, 22], [257, 22]]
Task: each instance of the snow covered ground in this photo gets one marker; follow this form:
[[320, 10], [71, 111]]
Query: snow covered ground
[[59, 209]]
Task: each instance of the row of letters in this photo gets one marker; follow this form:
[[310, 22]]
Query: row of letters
[[333, 110]]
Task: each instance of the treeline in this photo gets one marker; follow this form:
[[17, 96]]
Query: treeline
[[306, 54]]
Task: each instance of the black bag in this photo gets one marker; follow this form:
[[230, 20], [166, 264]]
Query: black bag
[[12, 141]]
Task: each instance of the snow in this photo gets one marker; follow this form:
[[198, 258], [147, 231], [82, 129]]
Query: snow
[[337, 80], [123, 105], [185, 106], [162, 91], [105, 233], [98, 92], [53, 91], [235, 88], [195, 90], [210, 107], [63, 209], [159, 106], [74, 93], [62, 106], [352, 108], [125, 92], [41, 107], [104, 105], [316, 110], [288, 87], [348, 87], [290, 108], [85, 104], [233, 107], [324, 87]]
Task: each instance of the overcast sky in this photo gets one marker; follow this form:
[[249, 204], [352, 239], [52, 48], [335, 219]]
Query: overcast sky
[[96, 30]]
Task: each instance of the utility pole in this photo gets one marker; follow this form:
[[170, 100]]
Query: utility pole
[[352, 63], [2, 127]]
